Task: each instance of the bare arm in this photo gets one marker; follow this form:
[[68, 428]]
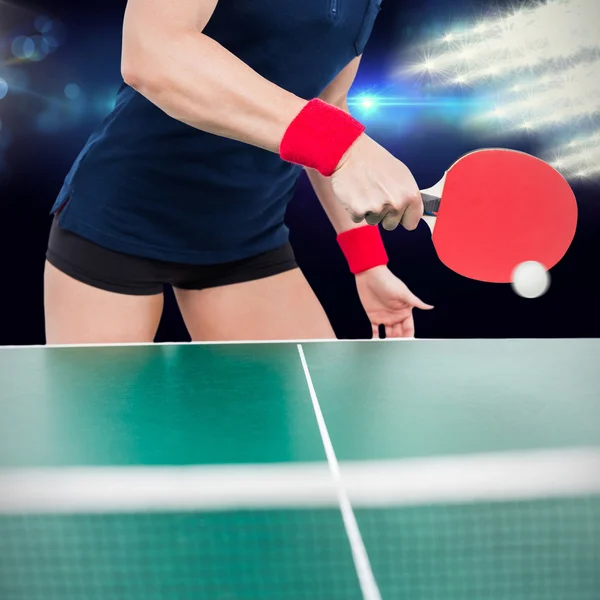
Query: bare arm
[[336, 93], [195, 80], [192, 78]]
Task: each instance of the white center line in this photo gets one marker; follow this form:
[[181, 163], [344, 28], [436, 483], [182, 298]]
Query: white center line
[[367, 582]]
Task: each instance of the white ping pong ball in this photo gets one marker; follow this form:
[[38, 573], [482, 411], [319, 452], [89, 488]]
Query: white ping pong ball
[[530, 279]]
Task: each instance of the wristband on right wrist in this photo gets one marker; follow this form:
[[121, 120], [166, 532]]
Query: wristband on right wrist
[[319, 137]]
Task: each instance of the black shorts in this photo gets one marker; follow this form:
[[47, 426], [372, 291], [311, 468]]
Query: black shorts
[[126, 274]]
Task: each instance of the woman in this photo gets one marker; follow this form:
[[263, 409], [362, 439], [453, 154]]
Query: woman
[[186, 183]]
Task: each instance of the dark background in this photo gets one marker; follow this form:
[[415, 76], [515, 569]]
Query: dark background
[[42, 132]]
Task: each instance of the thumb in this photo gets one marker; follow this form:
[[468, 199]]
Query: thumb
[[418, 303]]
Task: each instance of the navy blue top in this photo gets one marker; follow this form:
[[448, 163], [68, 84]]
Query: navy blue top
[[148, 185]]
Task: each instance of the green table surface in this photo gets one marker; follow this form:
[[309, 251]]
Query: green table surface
[[237, 403]]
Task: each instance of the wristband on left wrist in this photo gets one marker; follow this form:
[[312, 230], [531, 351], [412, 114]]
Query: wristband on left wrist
[[363, 248]]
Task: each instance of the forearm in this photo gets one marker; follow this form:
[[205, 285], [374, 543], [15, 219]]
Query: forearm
[[197, 81], [337, 214]]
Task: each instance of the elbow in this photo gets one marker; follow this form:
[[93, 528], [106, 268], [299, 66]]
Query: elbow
[[134, 58], [128, 73], [146, 77], [142, 67], [135, 62], [132, 73], [138, 77], [151, 83]]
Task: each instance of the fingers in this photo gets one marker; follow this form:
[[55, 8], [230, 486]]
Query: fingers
[[378, 213], [391, 221], [407, 209], [401, 329], [412, 213], [403, 207], [403, 325], [373, 218], [407, 328]]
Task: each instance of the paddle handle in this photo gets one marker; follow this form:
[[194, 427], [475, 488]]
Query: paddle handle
[[431, 205]]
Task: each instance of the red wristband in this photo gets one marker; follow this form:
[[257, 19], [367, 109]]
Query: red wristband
[[319, 136], [363, 248]]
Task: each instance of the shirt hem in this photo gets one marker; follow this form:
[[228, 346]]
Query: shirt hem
[[279, 238]]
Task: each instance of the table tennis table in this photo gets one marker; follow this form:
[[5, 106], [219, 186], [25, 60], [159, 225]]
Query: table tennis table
[[192, 471]]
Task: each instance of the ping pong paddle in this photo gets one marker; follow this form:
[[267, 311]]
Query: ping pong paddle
[[494, 209]]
